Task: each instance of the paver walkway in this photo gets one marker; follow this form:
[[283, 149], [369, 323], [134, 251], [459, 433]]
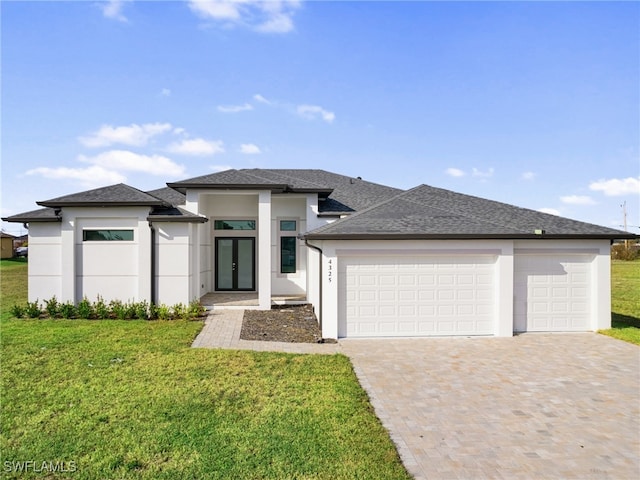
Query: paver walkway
[[553, 406], [222, 330]]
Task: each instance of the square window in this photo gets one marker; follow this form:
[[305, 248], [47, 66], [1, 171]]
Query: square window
[[288, 225]]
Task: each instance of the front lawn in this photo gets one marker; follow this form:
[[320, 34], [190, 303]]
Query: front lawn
[[625, 301], [131, 399]]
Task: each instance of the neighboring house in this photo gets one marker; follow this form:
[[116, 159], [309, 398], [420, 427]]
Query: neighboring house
[[6, 250], [373, 260]]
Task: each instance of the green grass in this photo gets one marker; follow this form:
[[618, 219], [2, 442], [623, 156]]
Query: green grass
[[625, 301], [13, 284], [130, 399]]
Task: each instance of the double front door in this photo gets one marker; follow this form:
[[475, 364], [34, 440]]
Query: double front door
[[235, 263]]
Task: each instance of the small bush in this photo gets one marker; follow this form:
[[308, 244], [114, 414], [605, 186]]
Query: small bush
[[141, 310], [629, 252], [33, 309], [153, 311], [118, 309], [101, 308], [179, 311], [68, 310], [52, 307], [196, 309], [18, 311], [85, 309], [164, 312]]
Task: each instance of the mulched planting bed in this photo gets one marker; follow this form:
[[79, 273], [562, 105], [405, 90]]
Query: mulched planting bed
[[287, 323]]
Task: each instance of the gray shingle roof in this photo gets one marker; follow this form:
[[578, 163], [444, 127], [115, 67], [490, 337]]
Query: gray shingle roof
[[339, 193], [114, 195], [175, 214], [429, 212], [40, 215], [169, 195]]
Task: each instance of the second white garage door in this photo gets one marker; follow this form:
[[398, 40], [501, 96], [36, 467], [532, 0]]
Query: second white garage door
[[386, 296], [552, 293]]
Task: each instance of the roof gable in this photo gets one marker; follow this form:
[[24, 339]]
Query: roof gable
[[119, 195], [429, 212]]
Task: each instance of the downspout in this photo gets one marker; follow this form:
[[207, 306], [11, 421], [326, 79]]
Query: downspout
[[319, 250], [152, 288]]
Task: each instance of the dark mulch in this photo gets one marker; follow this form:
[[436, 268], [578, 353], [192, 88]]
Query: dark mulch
[[287, 323]]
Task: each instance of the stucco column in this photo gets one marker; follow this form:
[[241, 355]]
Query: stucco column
[[264, 250], [504, 292], [68, 268], [601, 289], [330, 306]]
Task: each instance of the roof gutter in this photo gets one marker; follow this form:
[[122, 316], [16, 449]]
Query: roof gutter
[[152, 286]]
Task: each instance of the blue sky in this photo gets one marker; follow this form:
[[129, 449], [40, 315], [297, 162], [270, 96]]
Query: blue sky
[[536, 104]]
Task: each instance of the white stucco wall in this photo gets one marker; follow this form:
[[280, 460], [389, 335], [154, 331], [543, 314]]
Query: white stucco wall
[[174, 265], [505, 251], [45, 261], [115, 270], [288, 207]]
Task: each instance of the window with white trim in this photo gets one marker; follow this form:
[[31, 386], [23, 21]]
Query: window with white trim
[[288, 246]]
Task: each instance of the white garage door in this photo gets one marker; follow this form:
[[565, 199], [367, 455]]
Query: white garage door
[[416, 296], [551, 293]]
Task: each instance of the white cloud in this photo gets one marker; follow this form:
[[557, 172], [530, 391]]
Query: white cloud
[[616, 187], [551, 211], [275, 16], [134, 135], [94, 176], [454, 172], [235, 108], [477, 173], [165, 92], [197, 147], [311, 112], [249, 149], [577, 200], [125, 160], [528, 176], [259, 98], [113, 9]]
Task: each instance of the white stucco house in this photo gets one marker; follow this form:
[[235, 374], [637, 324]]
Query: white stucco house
[[373, 260]]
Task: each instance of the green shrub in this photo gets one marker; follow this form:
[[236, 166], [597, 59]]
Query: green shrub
[[179, 310], [621, 251], [118, 309], [18, 311], [153, 311], [52, 307], [33, 309], [85, 309], [68, 310], [101, 309], [196, 309], [141, 310], [164, 312]]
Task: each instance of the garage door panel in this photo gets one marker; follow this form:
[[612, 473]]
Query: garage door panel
[[552, 292], [429, 295]]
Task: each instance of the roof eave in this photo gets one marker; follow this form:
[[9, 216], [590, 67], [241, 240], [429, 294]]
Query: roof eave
[[50, 204], [464, 236], [176, 219], [18, 219], [228, 186]]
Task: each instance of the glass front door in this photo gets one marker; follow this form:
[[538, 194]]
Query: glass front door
[[235, 263]]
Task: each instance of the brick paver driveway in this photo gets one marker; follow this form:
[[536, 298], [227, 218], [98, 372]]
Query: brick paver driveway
[[532, 406]]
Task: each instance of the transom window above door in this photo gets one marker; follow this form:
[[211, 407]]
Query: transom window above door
[[234, 225]]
